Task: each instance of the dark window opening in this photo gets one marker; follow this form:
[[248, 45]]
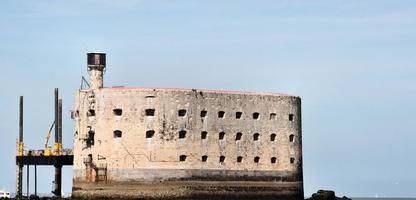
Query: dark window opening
[[292, 160], [273, 116], [182, 158], [91, 113], [222, 159], [181, 113], [150, 133], [90, 139], [204, 113], [256, 136], [238, 136], [239, 159], [272, 137], [238, 115], [204, 135], [221, 114], [150, 112], [256, 115], [291, 138], [117, 134], [204, 158], [256, 159], [118, 112], [291, 117], [182, 134], [221, 136], [273, 160]]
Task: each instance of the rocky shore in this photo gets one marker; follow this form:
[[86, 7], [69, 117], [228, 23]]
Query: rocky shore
[[326, 195]]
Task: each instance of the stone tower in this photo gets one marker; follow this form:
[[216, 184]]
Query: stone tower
[[96, 69]]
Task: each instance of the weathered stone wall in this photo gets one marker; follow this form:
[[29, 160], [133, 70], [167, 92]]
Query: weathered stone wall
[[117, 141]]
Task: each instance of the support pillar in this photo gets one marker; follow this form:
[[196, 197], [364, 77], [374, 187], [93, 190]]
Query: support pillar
[[36, 181], [19, 192], [58, 181], [27, 181]]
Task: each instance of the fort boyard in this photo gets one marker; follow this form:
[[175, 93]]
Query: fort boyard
[[164, 143]]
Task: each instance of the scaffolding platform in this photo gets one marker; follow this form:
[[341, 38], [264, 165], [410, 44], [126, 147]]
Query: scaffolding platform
[[36, 157]]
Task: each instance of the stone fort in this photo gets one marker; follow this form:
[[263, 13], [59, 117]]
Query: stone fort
[[164, 143]]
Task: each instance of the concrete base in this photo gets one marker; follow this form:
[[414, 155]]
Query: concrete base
[[189, 190]]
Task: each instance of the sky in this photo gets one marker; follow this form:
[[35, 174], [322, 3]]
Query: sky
[[351, 62]]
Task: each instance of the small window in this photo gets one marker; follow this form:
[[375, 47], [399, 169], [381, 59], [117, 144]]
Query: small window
[[273, 160], [256, 159], [204, 113], [117, 134], [256, 136], [238, 136], [182, 134], [239, 159], [222, 159], [221, 135], [221, 114], [256, 115], [204, 135], [150, 133], [292, 160], [150, 112], [181, 113], [291, 117], [273, 116], [91, 113], [238, 115], [291, 138], [90, 139], [182, 158], [272, 137], [117, 112], [204, 158]]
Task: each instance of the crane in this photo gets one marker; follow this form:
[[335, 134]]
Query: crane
[[47, 150]]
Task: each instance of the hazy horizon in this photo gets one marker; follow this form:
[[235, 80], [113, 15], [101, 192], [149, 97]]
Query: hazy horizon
[[351, 62]]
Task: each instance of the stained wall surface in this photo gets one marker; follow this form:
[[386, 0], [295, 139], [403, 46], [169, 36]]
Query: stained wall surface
[[207, 138]]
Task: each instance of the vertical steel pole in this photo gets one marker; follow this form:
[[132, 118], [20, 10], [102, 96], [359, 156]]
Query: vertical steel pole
[[21, 119], [58, 168], [20, 166], [60, 122], [56, 116]]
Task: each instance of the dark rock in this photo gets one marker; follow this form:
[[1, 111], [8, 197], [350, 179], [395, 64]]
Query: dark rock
[[326, 195]]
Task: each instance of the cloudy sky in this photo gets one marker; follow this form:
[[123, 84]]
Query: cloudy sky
[[351, 62]]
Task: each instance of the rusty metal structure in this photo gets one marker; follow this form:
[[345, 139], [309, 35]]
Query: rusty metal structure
[[58, 158]]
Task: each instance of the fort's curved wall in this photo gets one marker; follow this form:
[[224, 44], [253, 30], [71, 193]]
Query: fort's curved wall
[[140, 142]]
